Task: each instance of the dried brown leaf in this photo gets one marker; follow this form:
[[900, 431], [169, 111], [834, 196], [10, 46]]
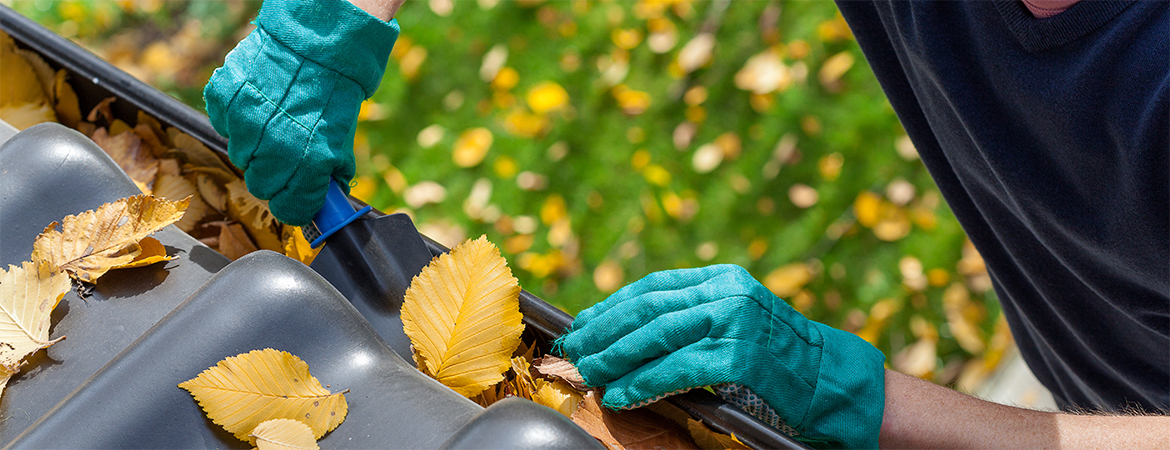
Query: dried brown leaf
[[632, 429], [102, 109], [233, 242], [560, 369], [126, 149], [93, 242]]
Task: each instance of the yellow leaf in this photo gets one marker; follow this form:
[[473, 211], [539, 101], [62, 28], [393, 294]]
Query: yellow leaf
[[525, 124], [835, 67], [557, 395], [152, 251], [297, 247], [254, 214], [786, 281], [462, 314], [472, 147], [176, 187], [233, 242], [708, 440], [245, 390], [127, 150], [547, 96], [283, 434], [28, 294], [212, 192], [25, 115], [68, 108], [93, 242], [21, 84], [867, 208]]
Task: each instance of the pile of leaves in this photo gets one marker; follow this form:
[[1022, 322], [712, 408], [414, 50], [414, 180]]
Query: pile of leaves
[[462, 315], [84, 246], [162, 161]]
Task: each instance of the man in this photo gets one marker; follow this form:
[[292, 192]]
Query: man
[[1044, 125]]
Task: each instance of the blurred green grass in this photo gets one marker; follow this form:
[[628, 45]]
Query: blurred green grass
[[603, 195]]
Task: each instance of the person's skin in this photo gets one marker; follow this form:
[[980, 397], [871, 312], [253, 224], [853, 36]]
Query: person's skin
[[382, 9], [920, 414]]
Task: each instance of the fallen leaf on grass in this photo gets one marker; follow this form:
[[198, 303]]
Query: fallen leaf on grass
[[241, 392], [632, 429], [28, 294], [283, 434], [93, 242], [462, 314]]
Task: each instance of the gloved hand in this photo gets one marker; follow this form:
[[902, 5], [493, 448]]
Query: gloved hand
[[287, 98], [680, 329]]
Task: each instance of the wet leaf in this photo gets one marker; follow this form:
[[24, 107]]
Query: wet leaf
[[95, 241], [245, 390], [462, 314], [283, 434], [28, 294]]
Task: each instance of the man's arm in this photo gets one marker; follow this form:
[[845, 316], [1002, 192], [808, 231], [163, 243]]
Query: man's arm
[[920, 414], [382, 9]]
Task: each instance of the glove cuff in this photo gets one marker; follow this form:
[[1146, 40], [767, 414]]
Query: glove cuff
[[850, 395], [335, 34]]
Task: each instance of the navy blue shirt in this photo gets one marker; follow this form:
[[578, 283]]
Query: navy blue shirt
[[1049, 140]]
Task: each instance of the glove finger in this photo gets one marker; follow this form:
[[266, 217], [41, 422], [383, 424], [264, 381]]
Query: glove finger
[[663, 335], [666, 280], [226, 82], [700, 286], [703, 363]]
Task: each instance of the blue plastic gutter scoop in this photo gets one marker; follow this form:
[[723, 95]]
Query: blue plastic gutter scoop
[[336, 214]]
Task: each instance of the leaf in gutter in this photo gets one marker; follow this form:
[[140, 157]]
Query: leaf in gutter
[[560, 369], [127, 150], [297, 247], [557, 395], [68, 107], [93, 242], [283, 434], [462, 314], [632, 429], [242, 391], [710, 440], [28, 294]]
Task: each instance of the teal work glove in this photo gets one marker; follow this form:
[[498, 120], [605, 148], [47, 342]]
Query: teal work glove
[[717, 326], [287, 99]]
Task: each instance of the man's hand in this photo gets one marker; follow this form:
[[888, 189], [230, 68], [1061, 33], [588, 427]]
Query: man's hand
[[287, 98], [717, 326], [382, 9]]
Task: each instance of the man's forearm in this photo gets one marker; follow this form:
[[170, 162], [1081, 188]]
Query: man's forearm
[[382, 9], [919, 414]]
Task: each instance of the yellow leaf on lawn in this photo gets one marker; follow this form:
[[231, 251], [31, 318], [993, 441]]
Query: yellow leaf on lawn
[[152, 251], [786, 281], [245, 390], [28, 294], [283, 434], [127, 150], [93, 242], [547, 96], [472, 147], [710, 440], [462, 314]]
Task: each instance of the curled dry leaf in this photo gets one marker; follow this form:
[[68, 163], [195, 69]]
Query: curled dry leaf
[[127, 150], [242, 391], [233, 242], [152, 252], [28, 294], [633, 429], [560, 369], [95, 241], [462, 314], [283, 434]]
